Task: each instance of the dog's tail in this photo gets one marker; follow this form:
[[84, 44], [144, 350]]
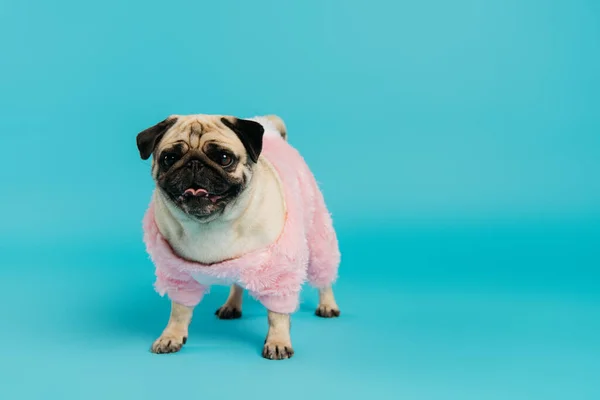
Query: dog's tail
[[275, 123]]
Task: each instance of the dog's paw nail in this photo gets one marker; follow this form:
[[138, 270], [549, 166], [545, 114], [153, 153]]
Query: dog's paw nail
[[277, 351], [289, 351], [168, 344], [228, 312], [327, 312]]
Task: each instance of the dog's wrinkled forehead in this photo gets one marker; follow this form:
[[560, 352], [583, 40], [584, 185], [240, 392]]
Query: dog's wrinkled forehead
[[195, 131], [243, 137]]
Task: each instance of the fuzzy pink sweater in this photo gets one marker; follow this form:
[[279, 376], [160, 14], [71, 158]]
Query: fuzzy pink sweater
[[307, 248]]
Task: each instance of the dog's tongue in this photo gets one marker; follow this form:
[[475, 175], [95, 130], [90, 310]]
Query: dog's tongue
[[196, 192]]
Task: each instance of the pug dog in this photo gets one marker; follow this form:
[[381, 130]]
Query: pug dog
[[235, 204]]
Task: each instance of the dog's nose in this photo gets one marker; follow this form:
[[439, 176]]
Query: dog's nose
[[194, 165]]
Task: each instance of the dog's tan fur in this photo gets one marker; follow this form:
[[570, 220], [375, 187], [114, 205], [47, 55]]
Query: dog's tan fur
[[254, 220], [175, 334], [278, 345], [279, 124]]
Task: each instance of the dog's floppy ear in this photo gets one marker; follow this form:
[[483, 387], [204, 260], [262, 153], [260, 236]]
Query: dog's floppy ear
[[148, 139], [250, 134]]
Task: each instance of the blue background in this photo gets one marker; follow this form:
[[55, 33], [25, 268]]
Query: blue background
[[458, 147]]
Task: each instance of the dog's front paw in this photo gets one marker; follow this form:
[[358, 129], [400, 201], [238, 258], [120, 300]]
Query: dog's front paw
[[168, 343], [274, 350], [228, 312], [327, 311]]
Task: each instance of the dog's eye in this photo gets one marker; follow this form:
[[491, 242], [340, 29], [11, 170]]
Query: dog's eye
[[169, 159], [225, 160]]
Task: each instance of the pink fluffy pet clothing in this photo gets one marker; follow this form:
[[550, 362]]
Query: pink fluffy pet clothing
[[307, 248]]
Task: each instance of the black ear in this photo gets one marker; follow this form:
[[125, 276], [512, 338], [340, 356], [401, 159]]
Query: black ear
[[249, 132], [148, 139]]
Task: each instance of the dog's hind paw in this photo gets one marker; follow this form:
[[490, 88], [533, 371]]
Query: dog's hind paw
[[228, 312], [326, 311]]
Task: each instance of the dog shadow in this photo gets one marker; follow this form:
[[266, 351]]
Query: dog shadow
[[137, 313], [141, 314]]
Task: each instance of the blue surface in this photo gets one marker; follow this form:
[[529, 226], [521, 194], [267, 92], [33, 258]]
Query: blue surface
[[458, 147]]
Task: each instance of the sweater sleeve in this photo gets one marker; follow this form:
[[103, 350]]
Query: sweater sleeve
[[179, 286]]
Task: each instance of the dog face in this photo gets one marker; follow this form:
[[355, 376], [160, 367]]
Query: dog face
[[202, 163]]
